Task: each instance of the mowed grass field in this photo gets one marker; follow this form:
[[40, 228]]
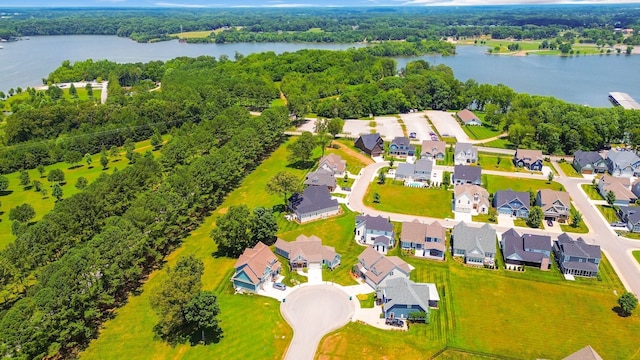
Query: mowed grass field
[[480, 132], [568, 169], [489, 161], [17, 194], [496, 182], [432, 202]]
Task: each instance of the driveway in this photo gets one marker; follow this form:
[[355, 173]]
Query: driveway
[[314, 274], [416, 122], [447, 125], [312, 312]]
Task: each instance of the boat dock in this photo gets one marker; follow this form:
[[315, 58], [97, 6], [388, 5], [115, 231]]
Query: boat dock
[[624, 100]]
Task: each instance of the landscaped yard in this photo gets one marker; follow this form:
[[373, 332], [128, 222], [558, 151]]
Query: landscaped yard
[[489, 161], [496, 182], [480, 132], [432, 202], [581, 229], [568, 169], [591, 192], [609, 213]]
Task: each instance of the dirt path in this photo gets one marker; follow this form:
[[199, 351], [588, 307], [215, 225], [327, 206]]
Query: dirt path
[[504, 134], [365, 159]]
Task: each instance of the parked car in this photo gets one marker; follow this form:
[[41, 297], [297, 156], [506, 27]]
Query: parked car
[[549, 222], [280, 286], [618, 224], [412, 135], [394, 322]]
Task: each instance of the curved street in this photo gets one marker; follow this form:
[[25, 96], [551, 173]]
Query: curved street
[[617, 249]]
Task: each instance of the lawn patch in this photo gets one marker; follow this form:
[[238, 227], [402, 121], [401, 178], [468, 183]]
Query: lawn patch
[[496, 182], [501, 143], [592, 192], [568, 169], [367, 300], [636, 255], [397, 198], [609, 213], [480, 132], [489, 161]]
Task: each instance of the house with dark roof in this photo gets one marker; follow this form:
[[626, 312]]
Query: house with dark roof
[[476, 245], [401, 147], [576, 257], [376, 269], [468, 118], [426, 240], [307, 250], [371, 144], [400, 297], [466, 174], [555, 204], [420, 171], [376, 231], [433, 149], [635, 188], [313, 203], [631, 216], [321, 177], [465, 153], [589, 162], [255, 268], [620, 188], [528, 159], [471, 199], [527, 249], [514, 203], [623, 163], [334, 164]]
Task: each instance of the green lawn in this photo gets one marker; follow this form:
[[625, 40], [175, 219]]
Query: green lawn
[[341, 183], [495, 182], [568, 169], [193, 34], [17, 194], [592, 192], [608, 212], [367, 300], [501, 143], [480, 132], [489, 161], [581, 229], [636, 255], [432, 202], [483, 218], [630, 235]]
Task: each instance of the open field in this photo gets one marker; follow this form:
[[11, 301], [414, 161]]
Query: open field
[[592, 192], [495, 182], [489, 161], [501, 143], [480, 132], [568, 169], [193, 34], [530, 47], [433, 202], [17, 195]]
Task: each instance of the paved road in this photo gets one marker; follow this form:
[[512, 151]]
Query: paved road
[[617, 249], [313, 312]]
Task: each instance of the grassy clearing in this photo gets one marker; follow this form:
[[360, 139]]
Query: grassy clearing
[[193, 34], [355, 160], [480, 132], [432, 202], [279, 102], [366, 300], [568, 169], [608, 212], [490, 162], [495, 182], [592, 192], [501, 143], [17, 195], [636, 255]]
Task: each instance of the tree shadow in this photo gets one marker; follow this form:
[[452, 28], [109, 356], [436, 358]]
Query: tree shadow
[[75, 166], [278, 209], [6, 192], [618, 310], [301, 165], [28, 187], [210, 337]]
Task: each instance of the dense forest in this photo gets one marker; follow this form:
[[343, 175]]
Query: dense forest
[[329, 25]]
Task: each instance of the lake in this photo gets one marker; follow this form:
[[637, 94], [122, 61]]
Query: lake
[[579, 79]]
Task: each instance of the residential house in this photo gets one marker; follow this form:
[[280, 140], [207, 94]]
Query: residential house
[[334, 164], [586, 353], [468, 118], [528, 159], [255, 268], [313, 203], [527, 249], [465, 153], [427, 240], [589, 162], [631, 216], [420, 171], [554, 204], [576, 257], [321, 177], [433, 149], [619, 186], [401, 147], [370, 229], [371, 144], [376, 269], [400, 297], [476, 245], [472, 199], [514, 203], [635, 188], [466, 174], [623, 163], [307, 251]]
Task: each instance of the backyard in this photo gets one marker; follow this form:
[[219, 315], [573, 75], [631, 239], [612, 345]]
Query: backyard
[[395, 197]]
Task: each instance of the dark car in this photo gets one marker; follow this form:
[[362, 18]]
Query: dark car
[[280, 286], [394, 322], [412, 135], [549, 222]]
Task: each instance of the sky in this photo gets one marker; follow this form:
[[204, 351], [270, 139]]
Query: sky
[[288, 3]]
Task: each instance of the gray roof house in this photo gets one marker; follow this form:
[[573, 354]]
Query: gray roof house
[[576, 257], [476, 245], [321, 177], [619, 186], [527, 249], [370, 229], [425, 240], [465, 153], [376, 269], [623, 163], [468, 118], [401, 147], [371, 144], [401, 296], [433, 149], [631, 216], [554, 204], [514, 203], [589, 162], [420, 171], [314, 203], [466, 174], [307, 250]]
